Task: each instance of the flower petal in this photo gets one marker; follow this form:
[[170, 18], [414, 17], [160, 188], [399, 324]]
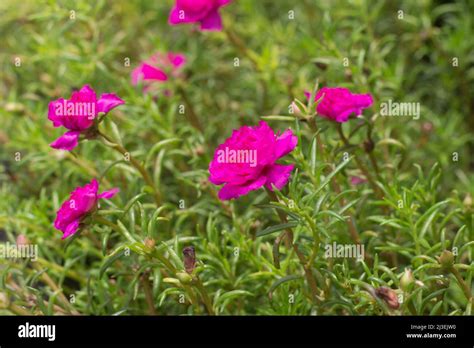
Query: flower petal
[[149, 72], [278, 175], [67, 141], [88, 89], [71, 229], [285, 143], [107, 102], [173, 18], [229, 191], [108, 194], [212, 21], [176, 59], [52, 115]]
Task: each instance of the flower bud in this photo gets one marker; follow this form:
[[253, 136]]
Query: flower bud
[[427, 127], [189, 259], [295, 109], [389, 296], [149, 243], [407, 280], [22, 240], [184, 278], [369, 145], [446, 260], [199, 150], [468, 201], [4, 300]]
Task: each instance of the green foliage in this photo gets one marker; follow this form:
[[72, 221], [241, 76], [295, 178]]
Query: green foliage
[[127, 258]]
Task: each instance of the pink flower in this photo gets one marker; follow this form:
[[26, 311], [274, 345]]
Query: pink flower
[[82, 201], [357, 180], [246, 161], [78, 113], [339, 103], [206, 12], [158, 67]]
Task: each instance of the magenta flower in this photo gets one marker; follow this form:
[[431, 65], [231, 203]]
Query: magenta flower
[[78, 114], [206, 12], [82, 202], [246, 161], [339, 103], [158, 68], [357, 180]]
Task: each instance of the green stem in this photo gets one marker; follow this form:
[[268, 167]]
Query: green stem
[[360, 164], [18, 310], [350, 223], [193, 118], [205, 296], [465, 288], [69, 273], [290, 237], [375, 165], [146, 176], [240, 45], [148, 293], [250, 55], [50, 282]]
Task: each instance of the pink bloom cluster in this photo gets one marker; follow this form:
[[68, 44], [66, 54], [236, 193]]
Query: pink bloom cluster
[[205, 12], [158, 68], [82, 201], [241, 177], [339, 103], [78, 114]]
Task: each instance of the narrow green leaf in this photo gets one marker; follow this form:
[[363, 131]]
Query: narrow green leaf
[[276, 228], [110, 260]]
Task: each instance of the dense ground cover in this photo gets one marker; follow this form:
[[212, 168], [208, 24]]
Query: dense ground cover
[[396, 190]]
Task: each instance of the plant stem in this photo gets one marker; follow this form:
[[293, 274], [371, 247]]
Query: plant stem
[[375, 165], [240, 45], [69, 273], [83, 164], [18, 310], [465, 288], [350, 222], [205, 297], [148, 293], [244, 51], [146, 176], [290, 237], [193, 119], [360, 164], [198, 284], [50, 282]]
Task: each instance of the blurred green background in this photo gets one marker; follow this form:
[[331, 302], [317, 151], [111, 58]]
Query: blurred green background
[[47, 51]]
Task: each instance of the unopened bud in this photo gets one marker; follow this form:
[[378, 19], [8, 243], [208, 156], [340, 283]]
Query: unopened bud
[[184, 278], [369, 145], [4, 300], [295, 109], [149, 243], [407, 280], [199, 150], [467, 201], [427, 127], [446, 260], [22, 240], [189, 259], [388, 296]]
